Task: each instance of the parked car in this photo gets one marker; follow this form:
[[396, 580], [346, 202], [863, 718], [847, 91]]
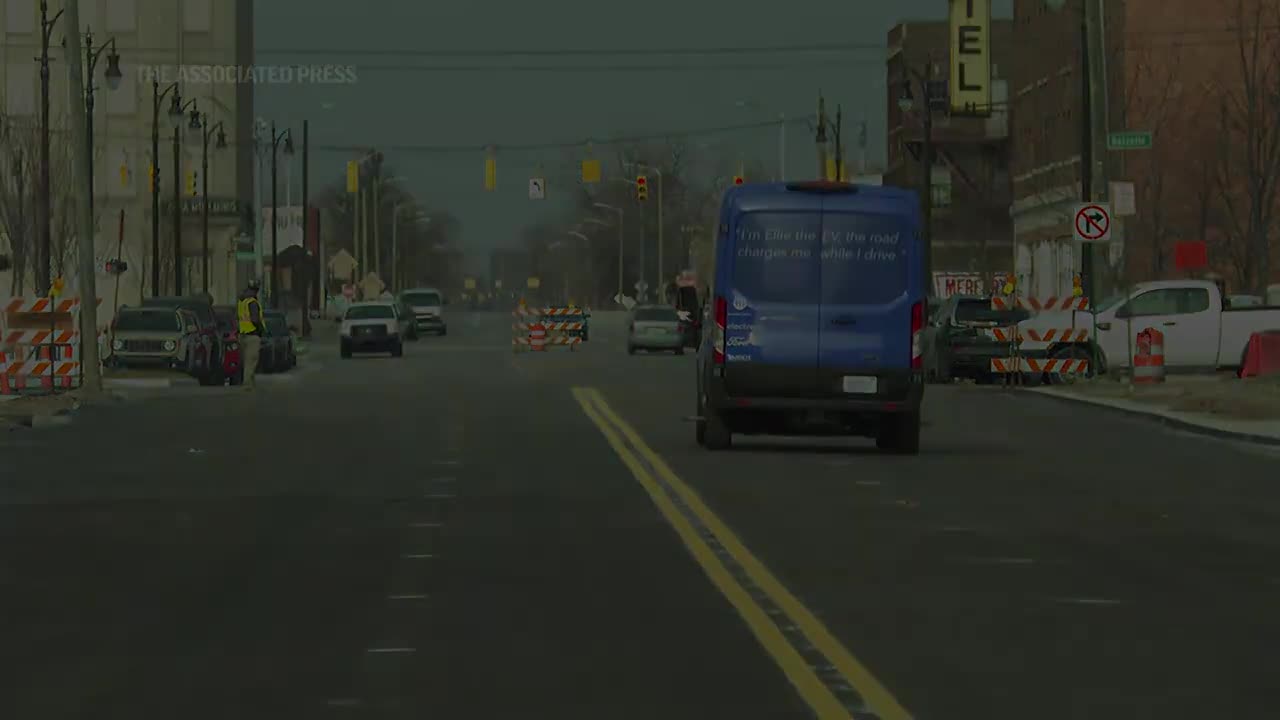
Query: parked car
[[1200, 334], [819, 301], [427, 306], [408, 320], [655, 327], [229, 325], [957, 343], [279, 352], [158, 337], [202, 307], [371, 327]]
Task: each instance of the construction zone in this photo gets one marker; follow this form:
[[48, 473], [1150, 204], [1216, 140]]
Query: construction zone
[[534, 329], [40, 345]]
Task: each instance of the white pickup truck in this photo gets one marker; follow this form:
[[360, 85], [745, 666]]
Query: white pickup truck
[[1199, 333]]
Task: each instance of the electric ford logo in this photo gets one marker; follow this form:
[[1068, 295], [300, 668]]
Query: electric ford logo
[[739, 342]]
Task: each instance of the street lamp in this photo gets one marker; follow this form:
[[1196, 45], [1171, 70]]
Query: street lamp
[[176, 115], [658, 286], [621, 235], [113, 77], [287, 137], [157, 97], [44, 255], [207, 132]]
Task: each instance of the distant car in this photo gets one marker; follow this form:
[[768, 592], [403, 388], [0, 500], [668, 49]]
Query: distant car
[[371, 327], [229, 325], [279, 352], [655, 327], [957, 342], [427, 305], [158, 337]]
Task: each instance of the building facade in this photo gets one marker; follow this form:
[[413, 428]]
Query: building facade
[[971, 232], [193, 44]]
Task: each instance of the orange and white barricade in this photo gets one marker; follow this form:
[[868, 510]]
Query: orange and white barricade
[[1148, 357], [1016, 364], [539, 328], [40, 344]]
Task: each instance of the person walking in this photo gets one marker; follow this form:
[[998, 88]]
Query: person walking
[[251, 326]]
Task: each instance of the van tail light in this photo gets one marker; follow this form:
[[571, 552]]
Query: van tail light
[[722, 320], [917, 327]]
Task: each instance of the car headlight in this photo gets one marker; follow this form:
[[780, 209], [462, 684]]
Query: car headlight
[[117, 344], [170, 345]]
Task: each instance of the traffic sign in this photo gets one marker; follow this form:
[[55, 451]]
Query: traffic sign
[[1093, 222], [533, 283], [1129, 140], [537, 188]]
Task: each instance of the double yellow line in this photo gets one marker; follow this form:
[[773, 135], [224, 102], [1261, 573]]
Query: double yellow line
[[685, 511]]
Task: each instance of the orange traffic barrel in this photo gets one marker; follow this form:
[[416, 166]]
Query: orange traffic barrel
[[1148, 358], [538, 337]]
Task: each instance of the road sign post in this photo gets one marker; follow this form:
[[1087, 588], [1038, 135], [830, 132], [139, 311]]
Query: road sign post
[[1093, 223], [537, 188], [1129, 140]]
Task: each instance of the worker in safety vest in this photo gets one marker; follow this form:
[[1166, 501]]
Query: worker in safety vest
[[251, 327]]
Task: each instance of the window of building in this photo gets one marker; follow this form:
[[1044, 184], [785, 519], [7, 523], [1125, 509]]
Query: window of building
[[19, 17], [122, 16], [20, 88], [197, 15]]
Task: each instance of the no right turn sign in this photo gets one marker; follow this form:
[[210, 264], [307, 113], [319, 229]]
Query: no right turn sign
[[1093, 222]]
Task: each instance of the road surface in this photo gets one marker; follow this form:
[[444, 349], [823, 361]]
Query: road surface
[[468, 533]]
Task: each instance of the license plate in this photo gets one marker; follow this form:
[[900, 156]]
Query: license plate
[[860, 384]]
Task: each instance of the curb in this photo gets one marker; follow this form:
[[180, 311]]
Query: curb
[[120, 383], [1161, 418]]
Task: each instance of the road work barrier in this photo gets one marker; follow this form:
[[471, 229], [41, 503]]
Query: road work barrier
[[40, 344], [1148, 357], [554, 327], [1016, 364], [1262, 357]]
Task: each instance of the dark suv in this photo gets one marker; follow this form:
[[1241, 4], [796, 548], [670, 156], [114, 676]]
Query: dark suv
[[211, 337]]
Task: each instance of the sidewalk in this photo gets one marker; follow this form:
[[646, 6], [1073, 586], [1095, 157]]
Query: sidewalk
[[1223, 406], [33, 410]]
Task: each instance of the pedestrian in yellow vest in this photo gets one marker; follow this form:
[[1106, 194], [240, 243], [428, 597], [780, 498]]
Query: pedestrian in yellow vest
[[251, 325]]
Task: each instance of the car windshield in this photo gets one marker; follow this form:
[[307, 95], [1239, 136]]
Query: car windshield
[[656, 315], [422, 299], [149, 321], [1111, 302], [370, 312]]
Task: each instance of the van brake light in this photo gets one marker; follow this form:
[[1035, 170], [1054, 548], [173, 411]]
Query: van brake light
[[722, 320], [917, 328]]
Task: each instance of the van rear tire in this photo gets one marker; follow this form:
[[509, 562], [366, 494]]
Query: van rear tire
[[715, 432], [900, 433]]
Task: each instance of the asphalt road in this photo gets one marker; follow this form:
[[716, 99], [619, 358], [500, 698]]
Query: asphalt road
[[468, 533]]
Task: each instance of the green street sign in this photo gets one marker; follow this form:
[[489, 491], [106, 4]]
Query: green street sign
[[1129, 140]]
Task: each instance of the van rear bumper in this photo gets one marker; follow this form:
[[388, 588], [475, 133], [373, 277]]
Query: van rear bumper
[[902, 392]]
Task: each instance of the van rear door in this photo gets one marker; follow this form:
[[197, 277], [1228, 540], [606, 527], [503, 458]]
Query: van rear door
[[771, 328], [868, 261]]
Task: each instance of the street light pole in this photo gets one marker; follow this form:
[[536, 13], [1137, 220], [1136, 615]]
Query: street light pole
[[113, 76], [44, 255], [905, 102], [177, 189], [621, 237], [287, 137], [158, 97], [205, 133]]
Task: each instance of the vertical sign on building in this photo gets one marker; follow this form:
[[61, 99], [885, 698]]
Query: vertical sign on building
[[970, 86]]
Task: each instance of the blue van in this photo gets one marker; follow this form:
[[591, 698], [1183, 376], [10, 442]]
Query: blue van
[[818, 302]]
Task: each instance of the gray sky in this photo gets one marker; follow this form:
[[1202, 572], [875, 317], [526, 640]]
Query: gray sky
[[503, 106]]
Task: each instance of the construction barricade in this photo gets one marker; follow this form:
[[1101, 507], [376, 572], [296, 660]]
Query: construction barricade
[[40, 345], [536, 329], [1017, 364], [1148, 358], [1262, 355]]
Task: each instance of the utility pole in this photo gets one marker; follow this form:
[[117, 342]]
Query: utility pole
[[306, 232], [926, 158], [44, 250], [91, 377], [177, 209], [839, 145], [259, 130], [275, 221], [376, 216], [395, 236]]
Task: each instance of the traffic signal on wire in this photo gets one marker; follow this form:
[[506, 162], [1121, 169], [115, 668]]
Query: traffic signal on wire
[[642, 187], [737, 180]]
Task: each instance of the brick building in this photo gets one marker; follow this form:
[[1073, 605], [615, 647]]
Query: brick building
[[972, 231], [1165, 63]]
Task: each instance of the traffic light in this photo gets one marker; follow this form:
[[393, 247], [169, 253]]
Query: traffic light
[[737, 180], [192, 176], [642, 187]]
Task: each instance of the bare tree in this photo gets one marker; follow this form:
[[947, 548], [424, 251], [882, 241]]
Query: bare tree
[[1249, 128], [19, 155]]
